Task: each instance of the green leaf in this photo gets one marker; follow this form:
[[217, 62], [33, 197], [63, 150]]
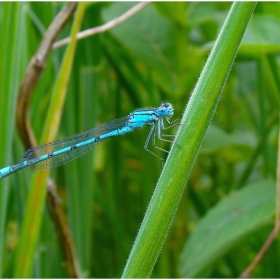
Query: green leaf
[[262, 36], [227, 223], [175, 11], [233, 147], [150, 45], [210, 143], [201, 12]]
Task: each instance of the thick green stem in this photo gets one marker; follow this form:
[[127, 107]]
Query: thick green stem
[[195, 121]]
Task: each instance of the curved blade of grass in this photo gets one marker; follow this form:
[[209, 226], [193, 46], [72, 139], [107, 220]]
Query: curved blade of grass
[[195, 121], [33, 213]]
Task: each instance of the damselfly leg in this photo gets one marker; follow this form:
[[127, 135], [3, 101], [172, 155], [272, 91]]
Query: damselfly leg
[[152, 133]]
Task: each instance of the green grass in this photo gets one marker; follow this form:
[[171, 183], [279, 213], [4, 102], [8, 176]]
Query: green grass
[[194, 123], [127, 215]]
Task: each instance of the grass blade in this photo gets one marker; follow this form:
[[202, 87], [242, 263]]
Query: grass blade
[[35, 202], [196, 120], [10, 49]]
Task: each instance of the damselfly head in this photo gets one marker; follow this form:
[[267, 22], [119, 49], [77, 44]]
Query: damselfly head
[[165, 110]]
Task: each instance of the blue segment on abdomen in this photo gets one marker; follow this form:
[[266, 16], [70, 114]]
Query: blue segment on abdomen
[[4, 172], [11, 169], [139, 119]]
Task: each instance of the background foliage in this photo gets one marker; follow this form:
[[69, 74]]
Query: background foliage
[[157, 55]]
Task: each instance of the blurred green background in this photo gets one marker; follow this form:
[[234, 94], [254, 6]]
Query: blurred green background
[[227, 210]]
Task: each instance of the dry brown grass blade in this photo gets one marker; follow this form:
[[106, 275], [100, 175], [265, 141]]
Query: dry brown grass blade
[[102, 28], [33, 73]]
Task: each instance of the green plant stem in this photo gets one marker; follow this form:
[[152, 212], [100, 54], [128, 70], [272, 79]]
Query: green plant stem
[[35, 202], [195, 121]]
